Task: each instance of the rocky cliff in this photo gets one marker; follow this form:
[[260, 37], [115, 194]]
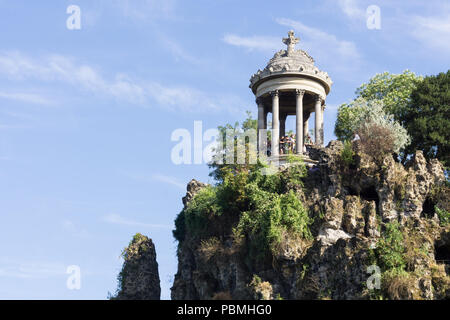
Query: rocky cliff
[[139, 278], [372, 231]]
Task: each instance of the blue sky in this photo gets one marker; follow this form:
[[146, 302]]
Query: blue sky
[[86, 115]]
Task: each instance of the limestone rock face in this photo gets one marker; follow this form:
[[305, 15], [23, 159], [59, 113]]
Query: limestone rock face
[[192, 188], [139, 276], [350, 204]]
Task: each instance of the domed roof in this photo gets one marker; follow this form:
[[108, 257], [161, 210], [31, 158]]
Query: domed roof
[[290, 62]]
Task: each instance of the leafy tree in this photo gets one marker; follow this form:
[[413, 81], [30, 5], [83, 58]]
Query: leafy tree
[[346, 117], [392, 90], [427, 118], [219, 166]]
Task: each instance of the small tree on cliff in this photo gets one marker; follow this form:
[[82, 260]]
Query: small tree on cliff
[[379, 132]]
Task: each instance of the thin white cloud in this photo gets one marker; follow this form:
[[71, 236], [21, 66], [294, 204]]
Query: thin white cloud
[[61, 69], [178, 52], [146, 9], [27, 270], [320, 41], [150, 178], [76, 231], [190, 99], [169, 180], [340, 56], [117, 219], [27, 97], [261, 43], [432, 31], [351, 9]]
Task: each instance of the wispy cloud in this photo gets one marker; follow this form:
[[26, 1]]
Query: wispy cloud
[[261, 43], [26, 270], [117, 219], [432, 31], [146, 9], [27, 97], [76, 231], [150, 178], [339, 55], [169, 180], [351, 9], [62, 69], [334, 55], [320, 41], [177, 51]]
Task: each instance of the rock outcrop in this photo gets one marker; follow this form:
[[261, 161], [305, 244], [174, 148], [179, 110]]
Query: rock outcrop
[[351, 204], [139, 278]]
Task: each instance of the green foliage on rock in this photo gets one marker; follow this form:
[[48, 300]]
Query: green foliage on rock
[[255, 207], [443, 215], [270, 216], [259, 207], [347, 153], [139, 266], [390, 248]]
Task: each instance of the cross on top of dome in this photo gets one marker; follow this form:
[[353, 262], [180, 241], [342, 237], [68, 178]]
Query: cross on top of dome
[[290, 41], [292, 62]]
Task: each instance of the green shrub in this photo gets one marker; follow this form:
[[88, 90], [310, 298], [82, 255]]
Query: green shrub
[[444, 216], [257, 208], [347, 154], [200, 210], [390, 248], [270, 216], [391, 256], [294, 174]]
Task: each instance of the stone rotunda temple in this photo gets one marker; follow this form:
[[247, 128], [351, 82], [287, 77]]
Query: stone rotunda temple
[[290, 84]]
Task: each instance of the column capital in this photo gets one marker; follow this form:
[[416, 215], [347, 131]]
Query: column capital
[[320, 98], [259, 101], [274, 93], [300, 92]]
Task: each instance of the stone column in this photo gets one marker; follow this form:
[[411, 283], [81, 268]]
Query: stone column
[[318, 120], [321, 124], [305, 129], [275, 123], [261, 114], [299, 120]]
